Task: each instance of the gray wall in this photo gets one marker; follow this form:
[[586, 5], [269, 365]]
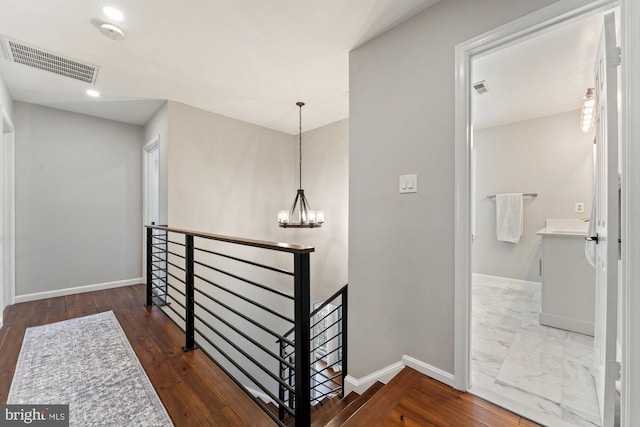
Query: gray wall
[[325, 158], [78, 200], [158, 125], [230, 177], [549, 156], [401, 259]]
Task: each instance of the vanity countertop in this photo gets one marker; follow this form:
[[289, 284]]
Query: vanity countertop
[[568, 227]]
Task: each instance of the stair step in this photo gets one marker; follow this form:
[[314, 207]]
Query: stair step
[[322, 417], [382, 403], [353, 407]]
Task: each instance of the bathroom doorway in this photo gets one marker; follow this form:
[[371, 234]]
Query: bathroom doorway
[[505, 317]]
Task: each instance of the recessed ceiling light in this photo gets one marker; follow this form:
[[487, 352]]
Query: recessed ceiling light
[[93, 93], [113, 13]]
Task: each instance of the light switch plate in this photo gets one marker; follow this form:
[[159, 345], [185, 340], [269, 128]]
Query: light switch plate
[[408, 183]]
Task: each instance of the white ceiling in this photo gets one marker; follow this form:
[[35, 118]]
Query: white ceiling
[[546, 74], [247, 59]]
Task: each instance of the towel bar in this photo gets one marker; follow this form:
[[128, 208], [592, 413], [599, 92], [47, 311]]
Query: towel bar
[[493, 196]]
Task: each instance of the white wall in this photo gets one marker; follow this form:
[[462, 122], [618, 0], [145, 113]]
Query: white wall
[[5, 99], [159, 126], [78, 200], [401, 258], [549, 156]]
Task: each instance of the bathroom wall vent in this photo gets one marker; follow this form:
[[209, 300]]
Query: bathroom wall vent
[[34, 57], [480, 87]]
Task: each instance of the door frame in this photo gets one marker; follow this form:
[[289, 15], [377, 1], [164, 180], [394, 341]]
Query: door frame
[[7, 137], [146, 149], [563, 11], [630, 272]]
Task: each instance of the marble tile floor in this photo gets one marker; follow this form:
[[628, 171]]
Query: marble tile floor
[[513, 356]]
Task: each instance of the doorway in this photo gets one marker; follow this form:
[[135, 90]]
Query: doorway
[[527, 28], [7, 212], [151, 212]]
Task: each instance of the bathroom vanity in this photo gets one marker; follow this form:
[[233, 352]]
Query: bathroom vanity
[[568, 280]]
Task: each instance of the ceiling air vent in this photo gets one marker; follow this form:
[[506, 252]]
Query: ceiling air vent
[[37, 58], [480, 87]]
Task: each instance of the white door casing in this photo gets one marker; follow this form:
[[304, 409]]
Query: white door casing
[[7, 212], [606, 368], [151, 208]]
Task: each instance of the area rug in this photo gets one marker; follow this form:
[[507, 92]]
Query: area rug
[[88, 364]]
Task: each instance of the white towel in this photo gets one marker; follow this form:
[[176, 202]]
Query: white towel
[[509, 217]]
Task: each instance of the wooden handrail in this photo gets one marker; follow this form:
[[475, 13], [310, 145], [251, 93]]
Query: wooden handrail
[[275, 246]]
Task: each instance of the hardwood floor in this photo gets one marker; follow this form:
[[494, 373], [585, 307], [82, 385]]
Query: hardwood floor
[[413, 399], [197, 393], [192, 388]]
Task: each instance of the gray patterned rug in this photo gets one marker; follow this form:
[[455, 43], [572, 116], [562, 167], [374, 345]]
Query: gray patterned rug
[[89, 364]]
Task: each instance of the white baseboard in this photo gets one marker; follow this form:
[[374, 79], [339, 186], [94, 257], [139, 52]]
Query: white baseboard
[[503, 280], [77, 290], [384, 375], [566, 323]]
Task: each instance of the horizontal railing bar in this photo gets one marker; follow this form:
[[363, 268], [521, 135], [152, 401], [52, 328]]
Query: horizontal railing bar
[[268, 267], [319, 372], [251, 282], [327, 380], [328, 300], [175, 265], [337, 362], [176, 289], [244, 316], [176, 277], [325, 330], [170, 307], [166, 240], [320, 358], [234, 363], [318, 398], [281, 247], [163, 260], [249, 300], [245, 336], [175, 254], [242, 352], [177, 302], [323, 305], [326, 315]]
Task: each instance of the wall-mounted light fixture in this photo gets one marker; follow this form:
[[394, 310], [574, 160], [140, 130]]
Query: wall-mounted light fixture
[[588, 110]]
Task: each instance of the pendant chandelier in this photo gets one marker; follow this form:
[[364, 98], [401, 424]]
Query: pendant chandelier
[[300, 215]]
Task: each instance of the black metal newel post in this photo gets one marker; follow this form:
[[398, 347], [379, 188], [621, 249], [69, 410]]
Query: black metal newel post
[[302, 339], [345, 329], [189, 280], [149, 301]]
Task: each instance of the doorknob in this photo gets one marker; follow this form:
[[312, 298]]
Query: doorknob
[[592, 238]]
